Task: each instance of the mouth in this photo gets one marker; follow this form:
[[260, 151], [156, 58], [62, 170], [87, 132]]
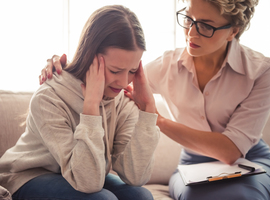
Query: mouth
[[193, 45], [115, 90]]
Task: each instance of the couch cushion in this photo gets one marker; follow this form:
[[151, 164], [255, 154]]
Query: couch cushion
[[13, 109], [159, 192]]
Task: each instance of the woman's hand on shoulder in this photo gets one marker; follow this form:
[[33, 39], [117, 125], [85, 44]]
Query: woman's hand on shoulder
[[54, 64], [93, 89], [140, 92]]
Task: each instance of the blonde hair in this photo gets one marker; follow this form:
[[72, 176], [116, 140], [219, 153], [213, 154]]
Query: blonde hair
[[239, 12]]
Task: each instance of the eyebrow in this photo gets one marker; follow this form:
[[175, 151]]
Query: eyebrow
[[120, 69], [206, 20], [202, 20]]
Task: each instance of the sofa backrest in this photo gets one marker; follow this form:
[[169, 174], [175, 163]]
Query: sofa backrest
[[13, 109]]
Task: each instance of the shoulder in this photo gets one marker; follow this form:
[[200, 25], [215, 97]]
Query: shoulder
[[255, 59], [162, 65], [167, 58], [45, 98], [247, 61]]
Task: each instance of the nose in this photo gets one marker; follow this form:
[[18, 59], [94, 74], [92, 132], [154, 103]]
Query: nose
[[123, 80], [193, 30], [192, 23]]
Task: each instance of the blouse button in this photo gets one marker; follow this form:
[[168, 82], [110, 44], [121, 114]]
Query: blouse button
[[206, 93]]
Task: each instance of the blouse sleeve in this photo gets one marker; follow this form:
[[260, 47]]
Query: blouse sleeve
[[248, 120]]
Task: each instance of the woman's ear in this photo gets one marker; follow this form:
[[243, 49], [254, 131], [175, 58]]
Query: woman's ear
[[233, 33]]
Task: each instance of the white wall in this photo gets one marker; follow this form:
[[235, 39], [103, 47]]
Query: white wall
[[32, 31]]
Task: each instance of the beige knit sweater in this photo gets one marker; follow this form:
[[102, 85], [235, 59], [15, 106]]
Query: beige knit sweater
[[59, 139]]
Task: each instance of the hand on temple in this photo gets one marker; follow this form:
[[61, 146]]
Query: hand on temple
[[140, 92]]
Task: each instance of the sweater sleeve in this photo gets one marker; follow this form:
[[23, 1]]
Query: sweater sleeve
[[78, 150], [134, 147]]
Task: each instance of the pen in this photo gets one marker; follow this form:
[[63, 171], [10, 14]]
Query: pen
[[252, 169], [216, 178]]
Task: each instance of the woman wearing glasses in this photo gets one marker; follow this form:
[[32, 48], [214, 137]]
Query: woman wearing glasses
[[218, 92]]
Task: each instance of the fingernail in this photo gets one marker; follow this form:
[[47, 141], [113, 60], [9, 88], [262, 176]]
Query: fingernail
[[59, 71]]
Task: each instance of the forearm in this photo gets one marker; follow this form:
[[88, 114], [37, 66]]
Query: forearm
[[134, 164], [211, 144], [80, 155]]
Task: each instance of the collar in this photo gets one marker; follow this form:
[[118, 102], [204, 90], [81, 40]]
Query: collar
[[234, 57], [187, 61]]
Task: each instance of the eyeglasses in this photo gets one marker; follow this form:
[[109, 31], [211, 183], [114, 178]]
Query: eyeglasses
[[202, 28]]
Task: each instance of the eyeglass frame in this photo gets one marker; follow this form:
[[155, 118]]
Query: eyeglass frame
[[195, 22]]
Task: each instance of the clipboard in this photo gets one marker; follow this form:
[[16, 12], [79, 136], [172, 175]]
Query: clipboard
[[217, 171]]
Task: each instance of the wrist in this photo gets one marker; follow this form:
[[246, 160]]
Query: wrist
[[151, 108], [91, 107], [160, 121]]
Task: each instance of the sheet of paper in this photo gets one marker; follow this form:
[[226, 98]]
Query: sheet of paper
[[200, 172]]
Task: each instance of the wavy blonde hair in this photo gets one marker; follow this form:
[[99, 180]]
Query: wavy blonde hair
[[239, 12]]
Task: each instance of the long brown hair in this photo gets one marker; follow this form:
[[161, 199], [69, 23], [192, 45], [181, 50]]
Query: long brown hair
[[110, 26]]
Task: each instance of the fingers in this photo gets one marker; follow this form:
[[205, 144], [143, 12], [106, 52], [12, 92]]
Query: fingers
[[128, 94], [49, 68], [98, 65], [140, 72], [93, 68], [63, 60], [43, 76], [129, 88], [56, 64], [128, 91], [101, 64], [96, 68]]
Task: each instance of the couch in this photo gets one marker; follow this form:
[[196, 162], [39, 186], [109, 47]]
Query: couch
[[13, 109]]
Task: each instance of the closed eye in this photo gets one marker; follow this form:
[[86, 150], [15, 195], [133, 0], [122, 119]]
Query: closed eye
[[113, 72], [132, 72]]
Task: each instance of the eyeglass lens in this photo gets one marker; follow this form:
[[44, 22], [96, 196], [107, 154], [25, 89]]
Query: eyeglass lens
[[202, 28]]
